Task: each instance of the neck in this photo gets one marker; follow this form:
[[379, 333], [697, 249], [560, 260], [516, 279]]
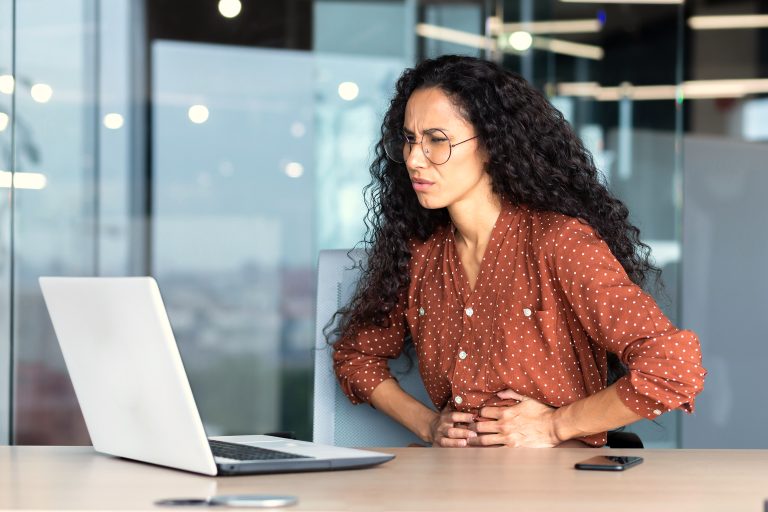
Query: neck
[[474, 218]]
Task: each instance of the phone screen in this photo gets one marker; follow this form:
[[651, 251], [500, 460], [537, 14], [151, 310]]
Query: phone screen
[[609, 463]]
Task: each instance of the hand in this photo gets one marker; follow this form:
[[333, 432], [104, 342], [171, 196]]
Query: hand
[[447, 430], [528, 424]]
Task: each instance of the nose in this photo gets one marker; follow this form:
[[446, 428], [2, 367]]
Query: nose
[[416, 158]]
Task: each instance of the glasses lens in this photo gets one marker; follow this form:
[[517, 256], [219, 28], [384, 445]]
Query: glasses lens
[[437, 147], [394, 146]]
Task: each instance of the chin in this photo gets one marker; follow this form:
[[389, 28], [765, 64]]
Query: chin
[[430, 203]]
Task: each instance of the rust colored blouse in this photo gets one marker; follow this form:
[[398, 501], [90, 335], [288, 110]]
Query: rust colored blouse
[[550, 300]]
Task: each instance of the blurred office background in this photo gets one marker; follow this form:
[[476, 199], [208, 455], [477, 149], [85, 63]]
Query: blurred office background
[[219, 145]]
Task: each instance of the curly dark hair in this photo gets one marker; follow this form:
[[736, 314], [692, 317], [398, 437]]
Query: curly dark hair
[[533, 158]]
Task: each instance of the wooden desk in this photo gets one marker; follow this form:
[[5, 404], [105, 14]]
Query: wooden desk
[[74, 478]]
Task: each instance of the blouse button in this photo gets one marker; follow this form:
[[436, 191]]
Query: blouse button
[[527, 312], [469, 311], [657, 412], [458, 400], [462, 355], [421, 311]]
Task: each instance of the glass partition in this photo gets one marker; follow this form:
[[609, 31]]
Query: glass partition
[[233, 245], [725, 242], [54, 216], [221, 153], [71, 170], [7, 86]]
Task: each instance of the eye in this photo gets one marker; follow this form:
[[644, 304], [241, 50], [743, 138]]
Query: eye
[[437, 139]]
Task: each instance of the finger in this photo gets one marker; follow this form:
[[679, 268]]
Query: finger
[[459, 433], [452, 443], [492, 412], [485, 427], [461, 417], [487, 440], [510, 394]]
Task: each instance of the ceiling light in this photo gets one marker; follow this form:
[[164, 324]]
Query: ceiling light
[[581, 50], [740, 21], [6, 84], [298, 129], [294, 169], [41, 93], [555, 27], [455, 36], [623, 1], [230, 8], [693, 89], [113, 121], [348, 90], [4, 119], [481, 42], [28, 180], [198, 114], [520, 40]]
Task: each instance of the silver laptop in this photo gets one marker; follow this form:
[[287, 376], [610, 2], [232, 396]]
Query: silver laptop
[[130, 382]]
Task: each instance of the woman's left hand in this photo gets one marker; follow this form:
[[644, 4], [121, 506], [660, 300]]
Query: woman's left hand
[[528, 424]]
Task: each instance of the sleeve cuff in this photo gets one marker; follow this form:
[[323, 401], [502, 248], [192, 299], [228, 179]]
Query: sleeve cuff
[[364, 382], [640, 404]]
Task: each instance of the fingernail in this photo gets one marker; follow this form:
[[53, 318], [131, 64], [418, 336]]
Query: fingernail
[[462, 442], [472, 434]]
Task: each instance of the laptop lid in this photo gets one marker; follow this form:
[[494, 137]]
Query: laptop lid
[[126, 370]]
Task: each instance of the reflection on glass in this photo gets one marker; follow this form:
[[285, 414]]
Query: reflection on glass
[[233, 250], [346, 134]]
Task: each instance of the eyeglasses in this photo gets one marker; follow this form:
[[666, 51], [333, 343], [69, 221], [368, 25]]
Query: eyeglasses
[[434, 143]]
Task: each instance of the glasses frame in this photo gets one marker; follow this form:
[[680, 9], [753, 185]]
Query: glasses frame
[[421, 142]]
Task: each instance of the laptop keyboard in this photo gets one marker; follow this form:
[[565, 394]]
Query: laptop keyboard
[[247, 452]]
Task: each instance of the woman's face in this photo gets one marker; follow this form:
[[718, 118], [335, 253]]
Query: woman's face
[[463, 176]]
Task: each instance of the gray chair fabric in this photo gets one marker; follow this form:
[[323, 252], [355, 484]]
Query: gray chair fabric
[[336, 420]]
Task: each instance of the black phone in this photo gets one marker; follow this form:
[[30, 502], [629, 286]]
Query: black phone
[[609, 463]]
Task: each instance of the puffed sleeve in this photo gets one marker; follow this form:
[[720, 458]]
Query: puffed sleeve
[[360, 361], [664, 362]]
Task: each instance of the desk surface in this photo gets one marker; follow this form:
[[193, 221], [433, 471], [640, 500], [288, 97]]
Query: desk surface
[[75, 478]]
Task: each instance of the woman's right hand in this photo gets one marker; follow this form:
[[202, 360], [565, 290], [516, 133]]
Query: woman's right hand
[[447, 430]]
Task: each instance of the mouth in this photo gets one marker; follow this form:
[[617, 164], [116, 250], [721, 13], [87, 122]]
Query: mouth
[[421, 185]]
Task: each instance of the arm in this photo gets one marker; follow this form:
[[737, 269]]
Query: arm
[[389, 398], [437, 428], [361, 365], [592, 415], [664, 362], [533, 424], [360, 362]]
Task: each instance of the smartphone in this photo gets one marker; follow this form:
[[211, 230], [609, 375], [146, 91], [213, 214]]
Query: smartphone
[[609, 463]]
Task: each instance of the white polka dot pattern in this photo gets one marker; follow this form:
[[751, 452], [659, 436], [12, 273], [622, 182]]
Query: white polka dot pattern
[[549, 302]]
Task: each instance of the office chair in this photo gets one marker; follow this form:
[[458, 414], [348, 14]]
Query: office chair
[[336, 420]]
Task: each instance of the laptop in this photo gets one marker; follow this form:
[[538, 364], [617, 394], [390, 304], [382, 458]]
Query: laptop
[[129, 379]]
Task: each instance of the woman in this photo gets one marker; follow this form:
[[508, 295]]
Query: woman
[[495, 246]]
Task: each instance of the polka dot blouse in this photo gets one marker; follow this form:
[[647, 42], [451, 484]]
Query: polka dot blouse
[[550, 300]]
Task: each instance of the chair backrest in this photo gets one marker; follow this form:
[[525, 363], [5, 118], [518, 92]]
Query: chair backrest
[[336, 420]]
